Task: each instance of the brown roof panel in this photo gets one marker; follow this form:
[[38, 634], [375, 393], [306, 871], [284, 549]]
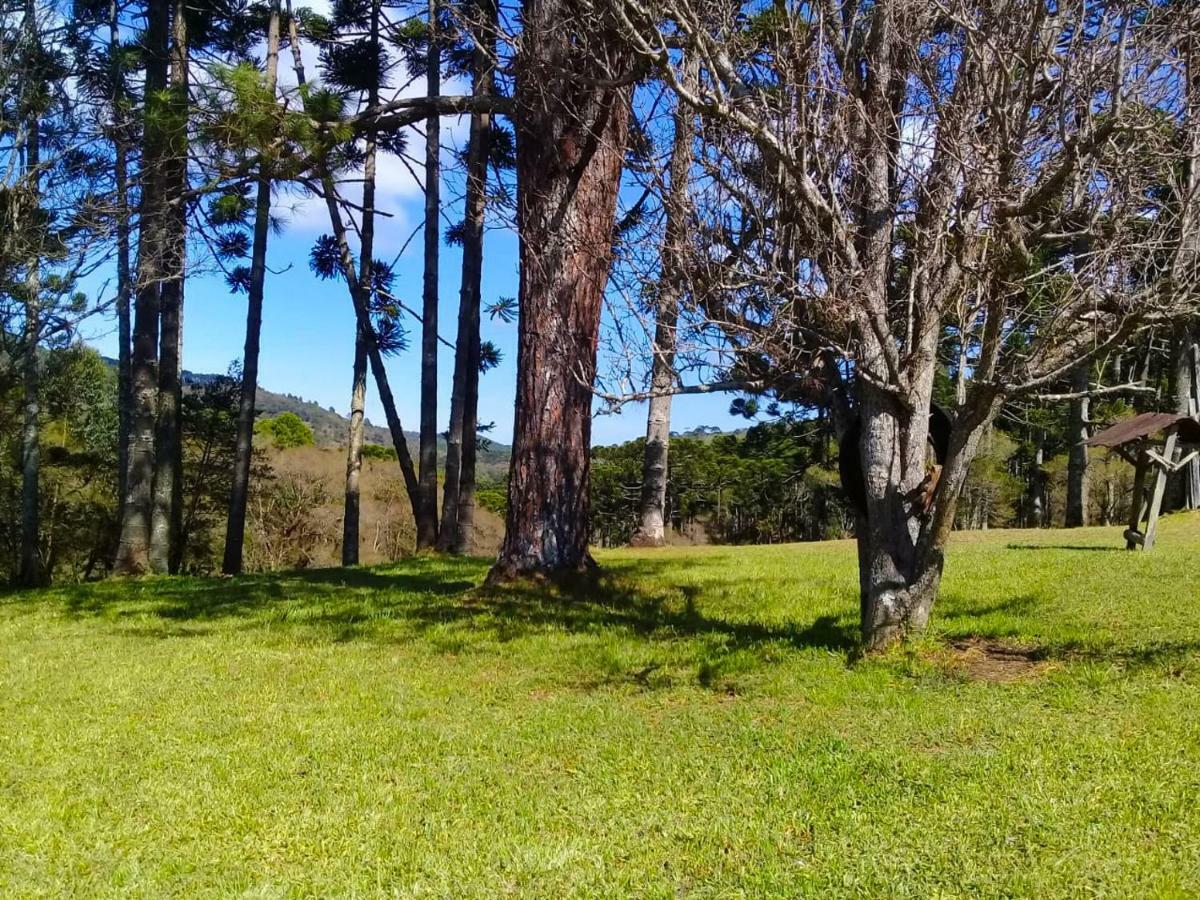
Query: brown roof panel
[[1146, 425]]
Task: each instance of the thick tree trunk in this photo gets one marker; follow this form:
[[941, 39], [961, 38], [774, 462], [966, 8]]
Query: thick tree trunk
[[354, 445], [651, 530], [1078, 433], [571, 137], [167, 510], [458, 498], [133, 552], [910, 510], [235, 531], [427, 520]]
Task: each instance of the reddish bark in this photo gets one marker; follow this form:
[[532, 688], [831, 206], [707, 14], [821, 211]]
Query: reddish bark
[[570, 148]]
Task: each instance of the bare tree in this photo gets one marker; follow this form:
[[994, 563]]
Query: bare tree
[[892, 161], [1078, 432]]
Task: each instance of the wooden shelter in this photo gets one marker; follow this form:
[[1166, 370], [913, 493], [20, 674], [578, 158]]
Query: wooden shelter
[[1151, 442]]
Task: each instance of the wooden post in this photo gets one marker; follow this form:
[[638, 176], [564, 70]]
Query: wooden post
[[1160, 486], [1132, 536]]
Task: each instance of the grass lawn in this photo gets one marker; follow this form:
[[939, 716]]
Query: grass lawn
[[692, 726]]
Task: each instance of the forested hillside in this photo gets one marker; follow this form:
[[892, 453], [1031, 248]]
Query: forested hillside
[[330, 427]]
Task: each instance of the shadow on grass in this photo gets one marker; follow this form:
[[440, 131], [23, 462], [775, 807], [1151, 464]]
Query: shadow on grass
[[1089, 548], [429, 594]]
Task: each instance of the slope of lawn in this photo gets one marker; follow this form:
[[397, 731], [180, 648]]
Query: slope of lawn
[[692, 725]]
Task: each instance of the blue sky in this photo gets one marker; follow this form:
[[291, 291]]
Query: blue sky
[[308, 325]]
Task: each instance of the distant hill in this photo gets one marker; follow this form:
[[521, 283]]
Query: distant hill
[[329, 426], [707, 432]]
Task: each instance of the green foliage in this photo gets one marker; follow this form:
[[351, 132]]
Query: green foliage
[[286, 430], [492, 494], [689, 725], [378, 451], [777, 482], [209, 419], [78, 465]]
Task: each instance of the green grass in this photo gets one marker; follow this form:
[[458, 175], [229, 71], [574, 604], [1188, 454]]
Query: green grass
[[694, 725]]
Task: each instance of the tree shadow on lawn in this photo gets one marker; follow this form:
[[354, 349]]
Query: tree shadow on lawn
[[440, 598], [428, 594], [1087, 548], [995, 629]]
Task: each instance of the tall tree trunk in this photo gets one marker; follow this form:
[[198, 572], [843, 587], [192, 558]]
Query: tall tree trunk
[[427, 519], [652, 528], [235, 531], [358, 394], [1078, 432], [167, 510], [133, 552], [458, 499], [31, 570], [1038, 515], [359, 297], [121, 164], [1187, 259], [354, 445], [571, 136]]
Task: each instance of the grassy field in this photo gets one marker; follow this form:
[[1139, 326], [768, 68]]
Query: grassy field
[[694, 725]]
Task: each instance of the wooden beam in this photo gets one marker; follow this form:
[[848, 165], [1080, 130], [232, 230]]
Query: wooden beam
[[1160, 487]]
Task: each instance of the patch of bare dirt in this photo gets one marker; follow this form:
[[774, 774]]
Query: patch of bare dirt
[[983, 660]]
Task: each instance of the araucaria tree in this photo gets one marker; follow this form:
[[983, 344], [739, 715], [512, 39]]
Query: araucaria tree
[[571, 113], [886, 175]]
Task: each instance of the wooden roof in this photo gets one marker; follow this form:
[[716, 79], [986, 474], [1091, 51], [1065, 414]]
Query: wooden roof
[[1144, 426]]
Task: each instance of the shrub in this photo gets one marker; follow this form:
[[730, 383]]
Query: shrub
[[286, 430]]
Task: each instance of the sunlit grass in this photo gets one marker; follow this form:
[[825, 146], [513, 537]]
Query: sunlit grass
[[694, 724]]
